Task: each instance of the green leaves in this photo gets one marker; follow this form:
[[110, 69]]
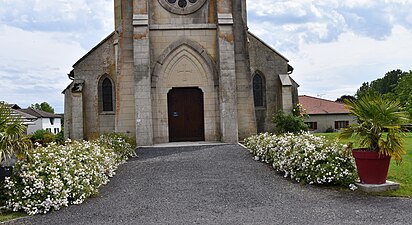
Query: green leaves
[[376, 114], [12, 134], [288, 123], [43, 106]]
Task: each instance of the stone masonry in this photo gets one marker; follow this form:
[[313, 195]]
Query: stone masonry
[[162, 45]]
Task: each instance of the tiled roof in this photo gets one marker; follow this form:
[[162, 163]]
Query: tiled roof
[[39, 113], [318, 106]]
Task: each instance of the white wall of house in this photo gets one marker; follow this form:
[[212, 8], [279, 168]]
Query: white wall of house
[[45, 124], [326, 121]]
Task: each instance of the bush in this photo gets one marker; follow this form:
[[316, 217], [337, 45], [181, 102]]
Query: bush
[[289, 123], [43, 137], [60, 138], [304, 157], [60, 175], [121, 144]]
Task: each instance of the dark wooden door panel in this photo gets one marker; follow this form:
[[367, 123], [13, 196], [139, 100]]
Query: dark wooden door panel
[[186, 117]]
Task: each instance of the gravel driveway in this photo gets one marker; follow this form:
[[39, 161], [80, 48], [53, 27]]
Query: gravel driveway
[[219, 185]]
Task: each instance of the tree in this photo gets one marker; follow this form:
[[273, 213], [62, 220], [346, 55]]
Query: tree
[[403, 91], [385, 85], [343, 97], [43, 106]]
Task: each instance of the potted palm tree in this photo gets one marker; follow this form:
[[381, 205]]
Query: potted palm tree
[[379, 132], [13, 142]]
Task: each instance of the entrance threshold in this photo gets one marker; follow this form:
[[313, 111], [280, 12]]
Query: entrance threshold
[[186, 144]]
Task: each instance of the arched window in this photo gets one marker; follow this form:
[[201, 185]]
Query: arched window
[[106, 94], [258, 90]]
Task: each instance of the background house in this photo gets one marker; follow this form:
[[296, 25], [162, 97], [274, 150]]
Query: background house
[[325, 114], [42, 120]]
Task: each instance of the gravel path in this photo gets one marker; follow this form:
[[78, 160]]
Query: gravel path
[[219, 185]]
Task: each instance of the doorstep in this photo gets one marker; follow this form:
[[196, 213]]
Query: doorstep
[[185, 144], [388, 186]]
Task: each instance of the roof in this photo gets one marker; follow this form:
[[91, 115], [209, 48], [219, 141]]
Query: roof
[[39, 113], [13, 106], [318, 106]]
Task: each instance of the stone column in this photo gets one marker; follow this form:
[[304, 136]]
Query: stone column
[[141, 47], [125, 81], [227, 73], [77, 110], [245, 104], [287, 93]]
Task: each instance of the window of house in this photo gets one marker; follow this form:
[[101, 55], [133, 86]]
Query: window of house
[[312, 125], [56, 130], [49, 130], [107, 95], [52, 121], [341, 124], [258, 90]]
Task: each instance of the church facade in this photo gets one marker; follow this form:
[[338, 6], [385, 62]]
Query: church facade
[[178, 70]]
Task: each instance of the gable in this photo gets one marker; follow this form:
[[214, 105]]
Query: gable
[[254, 39], [108, 40]]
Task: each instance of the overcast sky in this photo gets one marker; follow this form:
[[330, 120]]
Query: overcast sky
[[334, 45]]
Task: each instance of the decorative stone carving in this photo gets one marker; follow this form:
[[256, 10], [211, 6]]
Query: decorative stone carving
[[182, 7], [77, 86]]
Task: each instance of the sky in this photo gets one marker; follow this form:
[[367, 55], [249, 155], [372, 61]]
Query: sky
[[334, 45]]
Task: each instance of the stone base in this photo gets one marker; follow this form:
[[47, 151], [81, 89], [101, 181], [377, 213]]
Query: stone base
[[388, 186]]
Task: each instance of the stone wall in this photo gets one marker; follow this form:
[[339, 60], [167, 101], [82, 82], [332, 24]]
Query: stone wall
[[269, 64], [85, 117]]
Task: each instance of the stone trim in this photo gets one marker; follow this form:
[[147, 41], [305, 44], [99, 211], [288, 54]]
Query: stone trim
[[140, 20], [182, 11], [181, 26], [225, 18], [285, 80], [176, 45]]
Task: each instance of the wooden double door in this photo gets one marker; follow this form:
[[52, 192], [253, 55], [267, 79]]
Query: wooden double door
[[186, 114]]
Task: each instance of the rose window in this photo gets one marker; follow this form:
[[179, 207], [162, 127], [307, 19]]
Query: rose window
[[182, 3], [182, 7]]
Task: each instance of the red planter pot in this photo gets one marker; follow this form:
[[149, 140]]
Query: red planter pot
[[372, 166]]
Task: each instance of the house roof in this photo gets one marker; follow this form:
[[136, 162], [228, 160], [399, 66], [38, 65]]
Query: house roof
[[318, 106], [39, 113]]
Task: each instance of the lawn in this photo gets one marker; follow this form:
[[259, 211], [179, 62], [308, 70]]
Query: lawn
[[7, 215], [398, 173]]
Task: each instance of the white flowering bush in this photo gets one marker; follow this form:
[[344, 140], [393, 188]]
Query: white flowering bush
[[60, 175], [121, 144], [304, 157]]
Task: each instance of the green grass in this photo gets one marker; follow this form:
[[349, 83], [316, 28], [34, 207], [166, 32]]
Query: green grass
[[7, 215], [399, 173]]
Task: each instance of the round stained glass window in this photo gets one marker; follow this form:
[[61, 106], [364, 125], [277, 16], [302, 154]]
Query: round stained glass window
[[182, 7]]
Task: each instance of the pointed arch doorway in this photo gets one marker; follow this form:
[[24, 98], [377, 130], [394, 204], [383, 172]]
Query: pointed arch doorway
[[186, 114]]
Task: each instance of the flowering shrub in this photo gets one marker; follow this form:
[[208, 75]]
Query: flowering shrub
[[56, 176], [304, 157], [121, 144]]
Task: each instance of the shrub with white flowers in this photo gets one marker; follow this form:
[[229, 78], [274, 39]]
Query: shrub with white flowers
[[120, 143], [304, 157], [60, 175]]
